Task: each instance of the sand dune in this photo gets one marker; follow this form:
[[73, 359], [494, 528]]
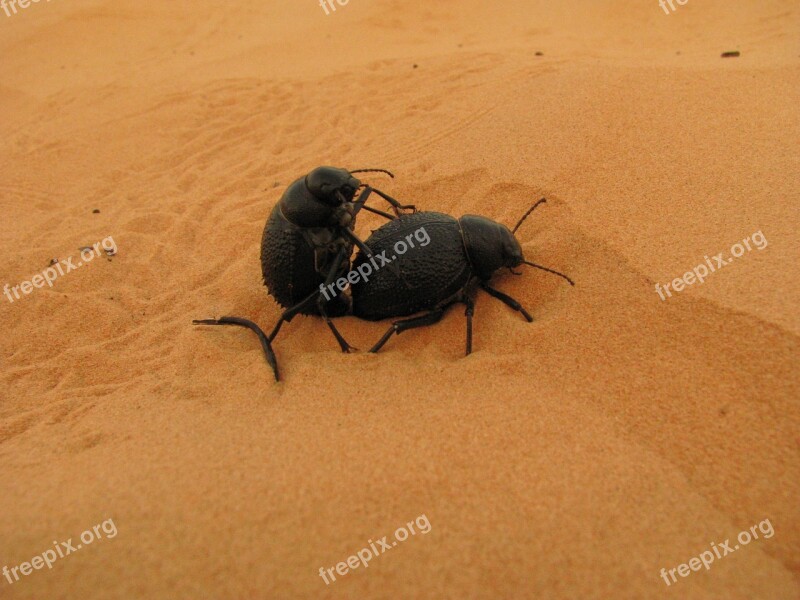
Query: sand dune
[[576, 456]]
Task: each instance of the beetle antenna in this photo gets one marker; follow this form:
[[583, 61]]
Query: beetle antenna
[[530, 264], [389, 173], [525, 216]]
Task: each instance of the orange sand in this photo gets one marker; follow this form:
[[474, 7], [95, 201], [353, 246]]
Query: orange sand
[[574, 457]]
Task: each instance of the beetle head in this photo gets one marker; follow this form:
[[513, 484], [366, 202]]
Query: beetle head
[[331, 185], [490, 245]]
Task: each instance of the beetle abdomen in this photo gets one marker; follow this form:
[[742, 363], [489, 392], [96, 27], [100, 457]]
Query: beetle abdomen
[[288, 264], [419, 279]]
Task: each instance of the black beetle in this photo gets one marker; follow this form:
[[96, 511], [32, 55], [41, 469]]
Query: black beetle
[[462, 253], [308, 241]]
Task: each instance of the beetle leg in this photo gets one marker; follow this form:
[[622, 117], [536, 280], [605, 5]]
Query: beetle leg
[[324, 314], [362, 199], [357, 241], [342, 342], [315, 296], [337, 263], [379, 212], [291, 312], [397, 206], [398, 327], [468, 302], [507, 300], [265, 342]]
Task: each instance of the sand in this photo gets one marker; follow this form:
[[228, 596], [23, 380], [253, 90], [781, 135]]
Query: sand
[[574, 457]]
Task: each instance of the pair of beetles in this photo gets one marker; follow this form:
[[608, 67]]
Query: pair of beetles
[[309, 239]]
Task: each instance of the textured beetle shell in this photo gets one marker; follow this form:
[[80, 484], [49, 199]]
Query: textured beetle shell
[[420, 279], [288, 265]]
